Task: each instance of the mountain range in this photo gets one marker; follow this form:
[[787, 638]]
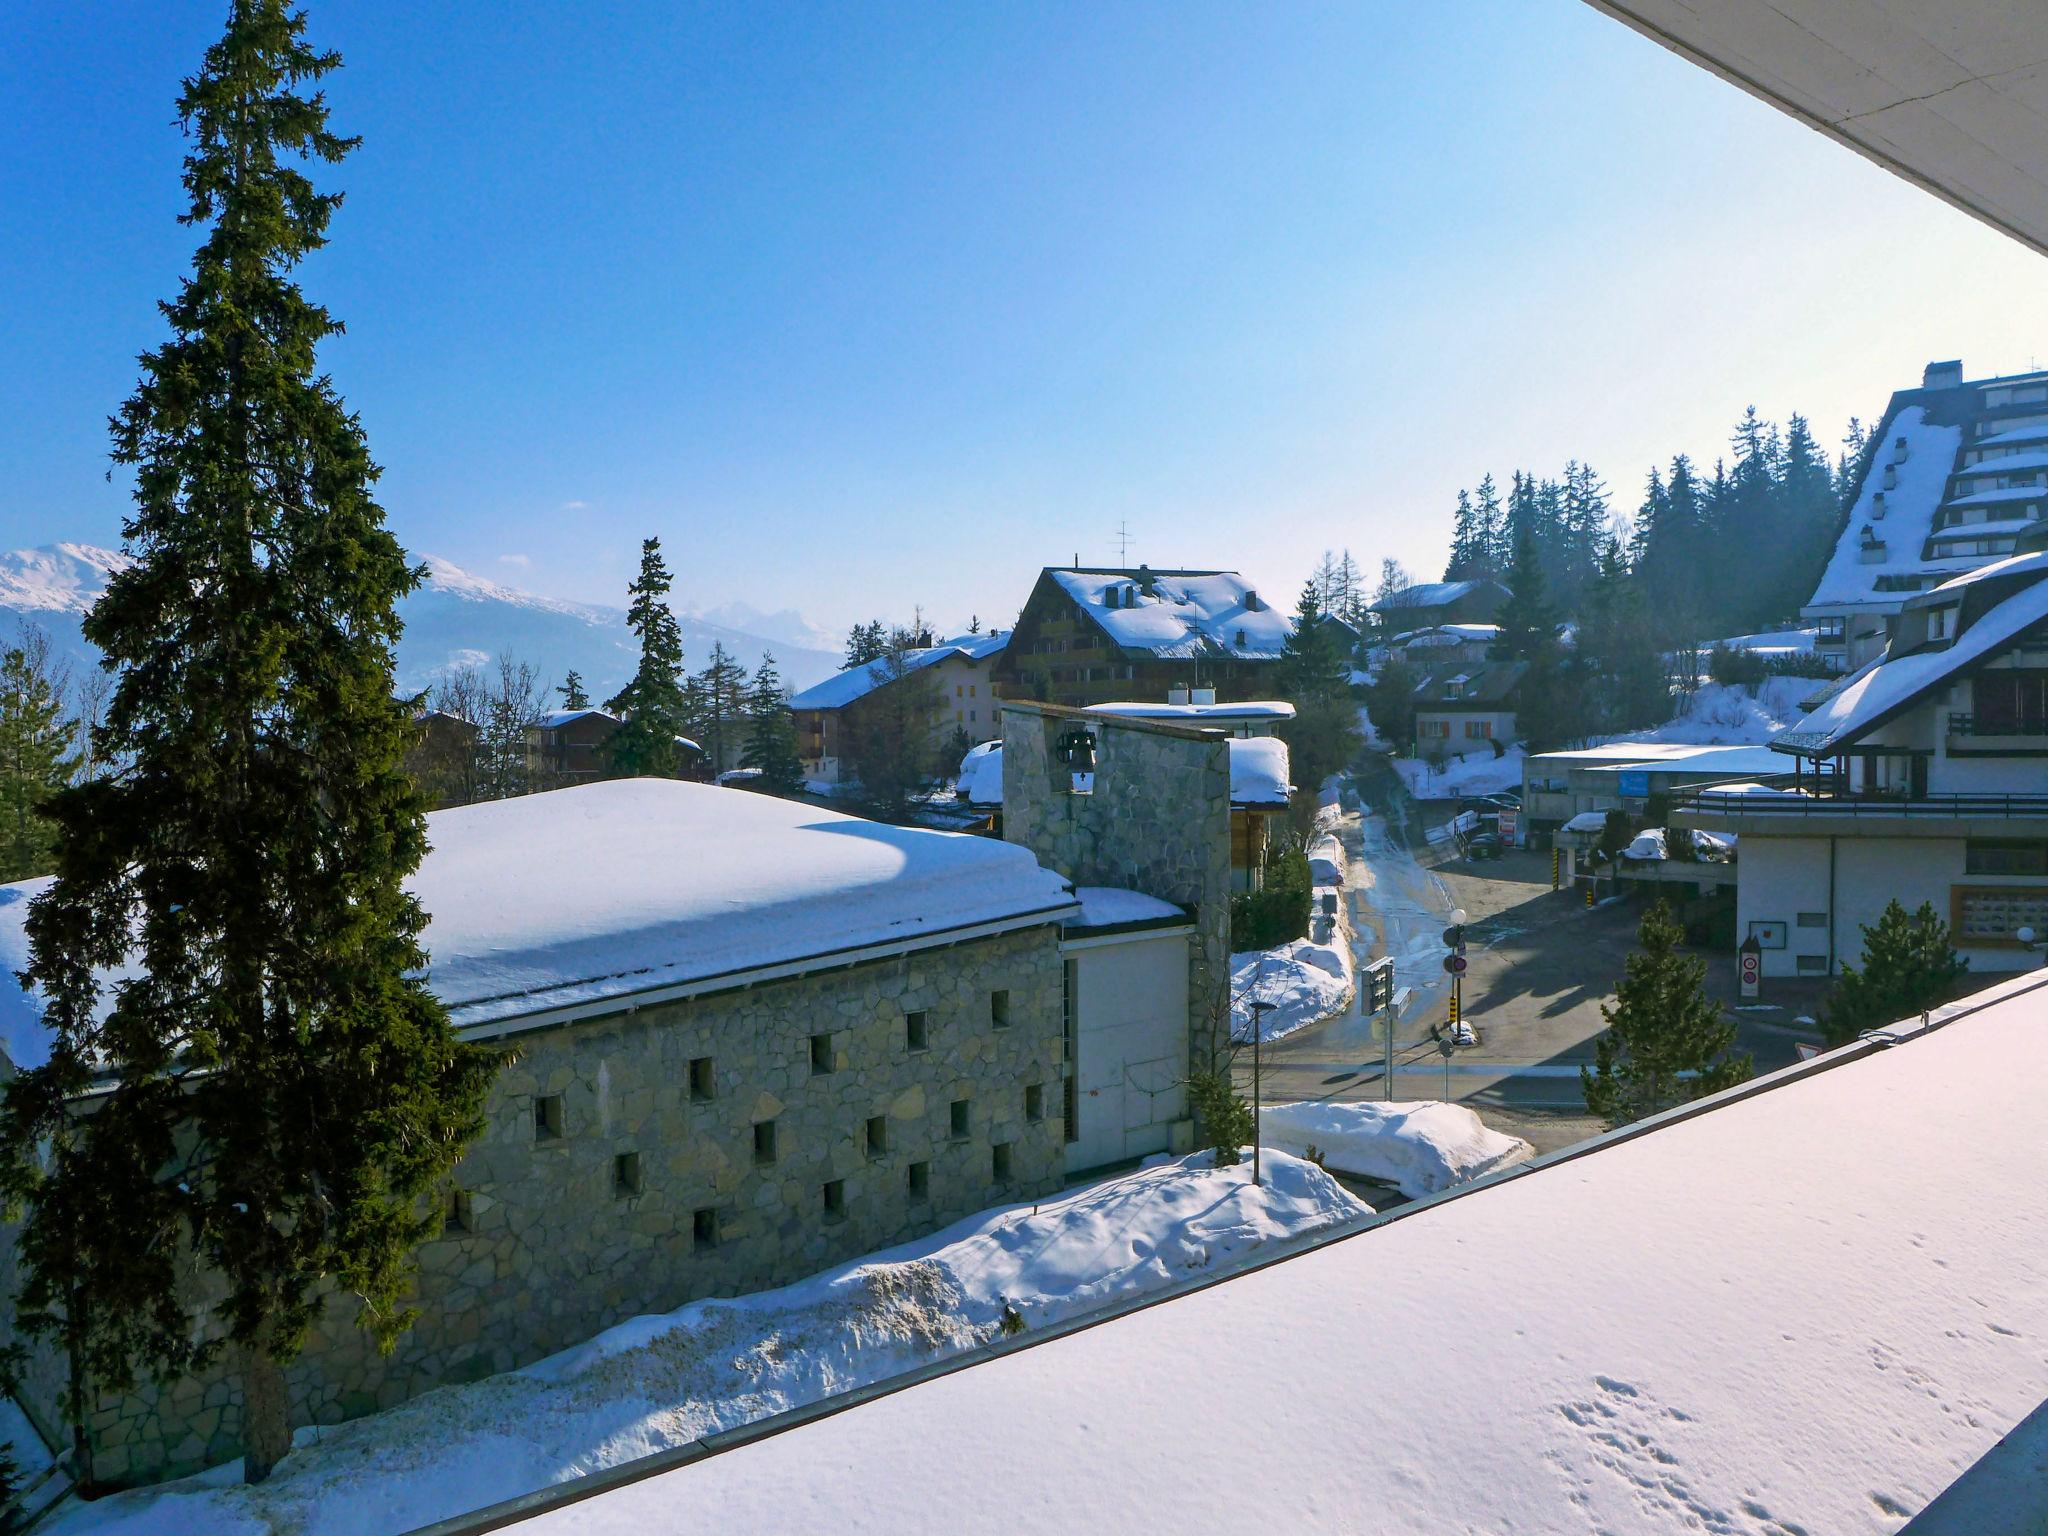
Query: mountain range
[[453, 619]]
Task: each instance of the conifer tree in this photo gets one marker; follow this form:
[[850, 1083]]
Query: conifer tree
[[1467, 558], [651, 704], [771, 733], [1909, 965], [281, 1095], [866, 642], [1661, 1024], [1490, 543], [36, 756], [718, 706], [1314, 675], [571, 690], [1527, 623]]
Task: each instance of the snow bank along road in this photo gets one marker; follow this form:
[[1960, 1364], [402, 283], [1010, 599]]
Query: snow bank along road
[[659, 1382]]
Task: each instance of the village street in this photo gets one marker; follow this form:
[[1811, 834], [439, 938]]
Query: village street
[[1541, 964]]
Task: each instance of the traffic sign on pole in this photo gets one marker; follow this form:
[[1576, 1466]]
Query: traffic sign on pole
[[1455, 964]]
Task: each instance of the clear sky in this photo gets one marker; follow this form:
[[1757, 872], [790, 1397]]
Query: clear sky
[[861, 306]]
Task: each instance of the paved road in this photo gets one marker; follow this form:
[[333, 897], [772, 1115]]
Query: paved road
[[1541, 965]]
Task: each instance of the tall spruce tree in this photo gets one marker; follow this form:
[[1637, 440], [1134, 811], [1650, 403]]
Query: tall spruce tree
[[278, 1093], [36, 755], [572, 692], [718, 705], [771, 733], [651, 703], [1660, 1026], [1314, 674]]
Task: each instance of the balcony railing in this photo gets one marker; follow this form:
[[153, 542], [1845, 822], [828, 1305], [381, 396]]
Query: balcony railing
[[1970, 725], [1829, 797]]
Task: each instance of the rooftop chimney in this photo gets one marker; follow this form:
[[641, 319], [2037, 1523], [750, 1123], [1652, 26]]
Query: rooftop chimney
[[1942, 375]]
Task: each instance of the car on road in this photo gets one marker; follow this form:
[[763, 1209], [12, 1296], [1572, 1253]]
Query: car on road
[[1487, 845]]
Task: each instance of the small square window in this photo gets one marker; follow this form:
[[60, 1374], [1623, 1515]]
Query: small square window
[[999, 1008], [821, 1055], [455, 1213], [704, 1227], [961, 1121], [878, 1135], [999, 1162], [764, 1141], [1812, 965], [626, 1175], [1813, 919], [916, 1033], [920, 1181], [835, 1199], [547, 1117], [1034, 1101], [703, 1082]]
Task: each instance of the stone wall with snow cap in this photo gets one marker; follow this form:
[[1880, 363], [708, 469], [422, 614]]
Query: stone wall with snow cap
[[1156, 819], [551, 1249]]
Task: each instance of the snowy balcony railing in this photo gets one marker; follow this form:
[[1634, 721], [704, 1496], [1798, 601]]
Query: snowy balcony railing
[[1776, 795]]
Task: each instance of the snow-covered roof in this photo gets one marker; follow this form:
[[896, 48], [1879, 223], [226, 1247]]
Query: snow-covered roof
[[555, 719], [1105, 906], [2011, 565], [1730, 760], [2009, 464], [1895, 683], [1430, 594], [1487, 686], [1773, 642], [1996, 498], [979, 647], [656, 883], [1185, 614], [1910, 508], [1250, 709], [1812, 1307], [1586, 821], [1258, 771], [842, 689], [2033, 434], [1614, 752]]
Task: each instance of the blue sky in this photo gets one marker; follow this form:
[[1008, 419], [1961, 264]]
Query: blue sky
[[865, 306]]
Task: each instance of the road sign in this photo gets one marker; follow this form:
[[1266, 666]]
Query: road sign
[[1455, 964], [1454, 937], [1750, 966], [1444, 1046]]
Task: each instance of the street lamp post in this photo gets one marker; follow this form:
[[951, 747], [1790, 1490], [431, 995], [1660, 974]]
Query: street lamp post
[[1259, 1012]]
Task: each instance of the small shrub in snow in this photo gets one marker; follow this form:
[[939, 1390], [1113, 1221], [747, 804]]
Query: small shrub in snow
[[1222, 1116]]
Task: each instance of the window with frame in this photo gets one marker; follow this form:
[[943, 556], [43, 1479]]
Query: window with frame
[[1479, 729], [2010, 702], [2005, 856]]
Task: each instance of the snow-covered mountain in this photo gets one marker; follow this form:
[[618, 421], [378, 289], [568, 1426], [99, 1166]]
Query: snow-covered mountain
[[454, 619]]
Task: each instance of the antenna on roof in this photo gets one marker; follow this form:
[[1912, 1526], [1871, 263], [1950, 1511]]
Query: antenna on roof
[[1123, 542]]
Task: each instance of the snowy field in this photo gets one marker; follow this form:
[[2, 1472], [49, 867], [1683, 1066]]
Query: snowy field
[[1304, 981], [655, 1382], [1733, 714], [1420, 1148]]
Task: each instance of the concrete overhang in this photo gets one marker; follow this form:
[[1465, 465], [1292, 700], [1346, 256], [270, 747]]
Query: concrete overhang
[[1950, 94]]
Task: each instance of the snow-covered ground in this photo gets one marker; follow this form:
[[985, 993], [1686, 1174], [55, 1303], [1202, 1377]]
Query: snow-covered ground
[[1476, 773], [1733, 714], [1304, 981], [655, 1382], [1419, 1148]]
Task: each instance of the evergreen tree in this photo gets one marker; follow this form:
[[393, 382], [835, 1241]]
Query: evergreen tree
[[1806, 516], [1909, 965], [866, 643], [1468, 557], [1660, 1024], [1527, 623], [719, 707], [36, 756], [1314, 674], [277, 1094], [1390, 700], [1490, 544], [890, 738], [1393, 581], [651, 704], [1849, 465], [771, 733], [571, 690]]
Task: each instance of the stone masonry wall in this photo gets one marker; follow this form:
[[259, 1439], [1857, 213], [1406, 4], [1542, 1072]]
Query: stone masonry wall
[[558, 1243], [1157, 820]]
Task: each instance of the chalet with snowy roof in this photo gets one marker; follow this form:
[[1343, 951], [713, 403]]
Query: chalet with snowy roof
[[1466, 707], [1956, 473], [1923, 777], [1431, 603], [442, 758], [1093, 634], [956, 673]]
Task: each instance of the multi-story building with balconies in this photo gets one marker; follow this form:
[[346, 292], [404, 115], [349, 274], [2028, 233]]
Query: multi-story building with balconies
[[1924, 778], [1956, 473]]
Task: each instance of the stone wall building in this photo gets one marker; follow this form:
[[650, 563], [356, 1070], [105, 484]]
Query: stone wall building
[[746, 1039]]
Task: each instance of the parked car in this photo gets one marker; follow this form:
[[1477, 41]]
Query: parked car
[[1487, 845]]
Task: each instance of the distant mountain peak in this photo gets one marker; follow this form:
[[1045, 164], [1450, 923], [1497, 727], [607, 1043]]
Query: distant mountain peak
[[57, 578], [444, 575]]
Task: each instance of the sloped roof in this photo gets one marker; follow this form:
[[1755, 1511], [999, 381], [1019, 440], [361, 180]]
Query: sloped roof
[[1894, 684], [1483, 683], [1183, 614], [1434, 594], [1810, 1305]]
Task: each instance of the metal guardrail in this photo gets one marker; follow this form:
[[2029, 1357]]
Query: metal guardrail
[[1888, 807]]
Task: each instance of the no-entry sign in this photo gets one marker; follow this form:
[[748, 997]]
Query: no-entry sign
[[1749, 965]]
